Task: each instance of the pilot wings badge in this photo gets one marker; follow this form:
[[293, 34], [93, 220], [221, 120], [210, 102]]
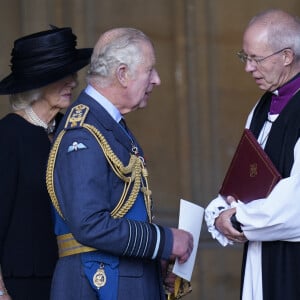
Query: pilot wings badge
[[76, 146]]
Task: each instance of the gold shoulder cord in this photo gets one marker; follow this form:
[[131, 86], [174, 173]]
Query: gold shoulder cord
[[130, 174]]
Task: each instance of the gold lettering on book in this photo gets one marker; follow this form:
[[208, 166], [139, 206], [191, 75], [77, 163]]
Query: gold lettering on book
[[253, 170]]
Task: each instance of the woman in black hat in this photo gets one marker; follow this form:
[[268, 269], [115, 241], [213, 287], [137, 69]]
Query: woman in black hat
[[43, 75]]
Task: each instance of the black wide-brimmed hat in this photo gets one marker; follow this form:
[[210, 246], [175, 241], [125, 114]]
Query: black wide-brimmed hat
[[42, 58]]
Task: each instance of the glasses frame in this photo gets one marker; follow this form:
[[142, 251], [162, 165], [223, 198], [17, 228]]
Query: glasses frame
[[244, 57]]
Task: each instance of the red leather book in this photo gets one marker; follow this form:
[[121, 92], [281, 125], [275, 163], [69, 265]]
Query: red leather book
[[251, 174]]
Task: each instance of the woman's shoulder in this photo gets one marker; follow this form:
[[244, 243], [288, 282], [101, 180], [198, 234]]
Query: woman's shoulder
[[11, 118], [12, 124]]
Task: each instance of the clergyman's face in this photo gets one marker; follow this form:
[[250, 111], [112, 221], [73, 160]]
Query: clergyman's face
[[269, 73]]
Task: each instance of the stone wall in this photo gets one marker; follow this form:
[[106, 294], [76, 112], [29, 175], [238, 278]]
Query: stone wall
[[193, 121]]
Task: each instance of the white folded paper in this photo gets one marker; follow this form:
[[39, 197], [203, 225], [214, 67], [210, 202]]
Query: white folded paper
[[190, 219]]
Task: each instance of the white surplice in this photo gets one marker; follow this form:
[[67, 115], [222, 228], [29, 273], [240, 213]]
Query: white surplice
[[274, 218]]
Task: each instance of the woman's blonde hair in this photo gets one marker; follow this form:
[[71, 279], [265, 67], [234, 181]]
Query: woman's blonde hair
[[23, 100]]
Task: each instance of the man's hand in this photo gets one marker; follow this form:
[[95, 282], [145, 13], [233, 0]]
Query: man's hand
[[230, 199], [223, 224], [183, 244], [168, 277]]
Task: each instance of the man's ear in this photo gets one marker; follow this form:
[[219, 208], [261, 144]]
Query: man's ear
[[289, 56], [122, 74]]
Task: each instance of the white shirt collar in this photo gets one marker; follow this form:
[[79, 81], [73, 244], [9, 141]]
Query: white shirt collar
[[104, 102]]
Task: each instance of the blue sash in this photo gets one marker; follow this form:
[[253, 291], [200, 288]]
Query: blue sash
[[107, 267], [109, 264]]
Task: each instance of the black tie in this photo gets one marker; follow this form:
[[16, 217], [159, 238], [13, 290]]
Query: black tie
[[123, 124], [134, 148]]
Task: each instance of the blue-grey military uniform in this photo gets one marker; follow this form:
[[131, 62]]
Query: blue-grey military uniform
[[118, 257]]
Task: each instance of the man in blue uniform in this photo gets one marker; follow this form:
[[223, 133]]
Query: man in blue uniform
[[98, 182]]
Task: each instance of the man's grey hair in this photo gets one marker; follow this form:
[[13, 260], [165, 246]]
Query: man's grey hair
[[114, 48], [283, 29]]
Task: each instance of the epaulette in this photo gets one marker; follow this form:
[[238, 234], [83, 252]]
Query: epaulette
[[76, 116]]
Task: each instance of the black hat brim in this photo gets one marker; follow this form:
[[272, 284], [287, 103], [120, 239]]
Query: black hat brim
[[12, 85]]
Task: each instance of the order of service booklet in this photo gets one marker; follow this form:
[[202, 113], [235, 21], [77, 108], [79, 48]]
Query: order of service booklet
[[251, 174], [190, 219]]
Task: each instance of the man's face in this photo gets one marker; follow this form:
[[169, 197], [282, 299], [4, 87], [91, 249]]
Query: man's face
[[266, 65], [143, 79]]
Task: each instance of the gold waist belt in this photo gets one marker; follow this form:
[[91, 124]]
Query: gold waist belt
[[67, 245]]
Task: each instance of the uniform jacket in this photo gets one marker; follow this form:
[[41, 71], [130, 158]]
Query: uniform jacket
[[88, 190]]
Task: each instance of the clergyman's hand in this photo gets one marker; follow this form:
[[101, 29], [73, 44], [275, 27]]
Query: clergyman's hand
[[224, 225], [230, 200]]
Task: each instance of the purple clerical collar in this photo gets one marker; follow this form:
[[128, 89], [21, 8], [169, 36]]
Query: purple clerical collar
[[281, 96]]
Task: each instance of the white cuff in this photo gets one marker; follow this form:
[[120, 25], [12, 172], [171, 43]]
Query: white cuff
[[212, 211]]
